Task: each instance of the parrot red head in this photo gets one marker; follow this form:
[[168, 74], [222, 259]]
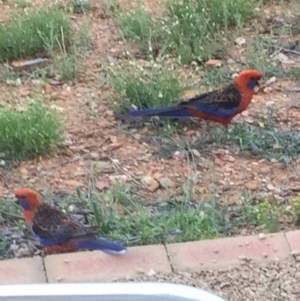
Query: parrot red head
[[28, 199], [248, 79]]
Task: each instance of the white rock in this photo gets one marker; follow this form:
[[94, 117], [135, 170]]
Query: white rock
[[151, 273], [261, 236], [240, 41]]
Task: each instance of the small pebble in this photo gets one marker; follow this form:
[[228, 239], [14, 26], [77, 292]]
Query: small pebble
[[15, 236], [14, 247], [151, 273], [261, 236]]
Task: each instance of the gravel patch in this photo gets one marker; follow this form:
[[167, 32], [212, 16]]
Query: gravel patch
[[276, 281], [17, 243]]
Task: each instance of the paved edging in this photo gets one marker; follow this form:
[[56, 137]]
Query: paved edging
[[190, 256]]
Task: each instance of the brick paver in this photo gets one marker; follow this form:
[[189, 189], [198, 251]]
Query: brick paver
[[98, 266], [190, 256], [293, 239], [220, 253], [22, 271]]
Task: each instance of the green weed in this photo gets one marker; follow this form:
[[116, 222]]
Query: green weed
[[196, 28], [80, 6], [153, 225], [69, 64], [264, 142], [33, 32], [5, 251], [144, 87], [296, 208], [68, 57], [258, 56], [214, 77], [37, 130], [139, 26], [266, 215], [268, 142], [110, 8]]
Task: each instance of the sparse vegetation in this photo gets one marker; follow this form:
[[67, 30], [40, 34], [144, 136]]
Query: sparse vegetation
[[266, 215], [247, 140], [170, 221], [34, 131], [144, 87], [33, 32], [80, 6], [5, 252], [195, 27], [154, 56], [191, 29], [139, 27]]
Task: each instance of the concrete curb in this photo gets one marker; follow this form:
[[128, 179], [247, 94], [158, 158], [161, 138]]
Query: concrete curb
[[147, 260]]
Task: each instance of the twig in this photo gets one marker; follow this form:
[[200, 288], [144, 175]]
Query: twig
[[282, 49], [276, 52], [290, 51], [295, 90]]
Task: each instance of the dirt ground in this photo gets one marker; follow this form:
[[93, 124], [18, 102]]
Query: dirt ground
[[96, 140]]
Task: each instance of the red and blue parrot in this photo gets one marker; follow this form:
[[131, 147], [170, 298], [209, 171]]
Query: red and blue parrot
[[219, 105], [57, 231]]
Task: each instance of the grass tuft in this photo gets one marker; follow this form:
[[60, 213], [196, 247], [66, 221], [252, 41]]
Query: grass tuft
[[214, 77], [33, 32], [266, 215], [144, 87], [139, 27], [5, 251], [193, 30], [121, 215], [268, 142], [80, 6], [196, 27], [36, 130], [137, 224]]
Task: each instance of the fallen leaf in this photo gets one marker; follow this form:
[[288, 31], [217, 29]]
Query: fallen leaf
[[157, 175], [165, 182], [196, 153], [74, 183], [23, 171], [119, 178], [23, 92], [94, 155], [151, 184], [251, 185], [213, 63], [268, 90], [48, 89], [113, 139], [100, 185], [102, 166]]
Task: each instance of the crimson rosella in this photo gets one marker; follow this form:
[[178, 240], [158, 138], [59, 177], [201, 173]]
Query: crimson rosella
[[219, 105], [57, 231]]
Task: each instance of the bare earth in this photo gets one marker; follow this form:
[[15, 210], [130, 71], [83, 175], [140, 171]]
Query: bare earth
[[95, 139]]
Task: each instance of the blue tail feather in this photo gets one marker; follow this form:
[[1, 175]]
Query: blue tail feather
[[166, 112], [102, 244]]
